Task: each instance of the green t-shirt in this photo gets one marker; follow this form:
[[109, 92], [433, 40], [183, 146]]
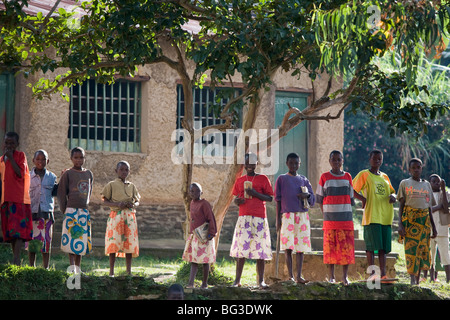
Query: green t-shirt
[[377, 190]]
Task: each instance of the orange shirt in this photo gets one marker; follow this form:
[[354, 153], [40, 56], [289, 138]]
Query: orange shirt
[[15, 189]]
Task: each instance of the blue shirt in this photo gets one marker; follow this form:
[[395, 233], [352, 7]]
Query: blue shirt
[[42, 192]]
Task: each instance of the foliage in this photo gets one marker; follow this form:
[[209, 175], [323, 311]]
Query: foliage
[[432, 145]]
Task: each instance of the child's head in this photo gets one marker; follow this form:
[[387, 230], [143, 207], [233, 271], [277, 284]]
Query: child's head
[[251, 160], [11, 141], [336, 160], [77, 155], [123, 170], [40, 159], [195, 191], [415, 168], [176, 292], [435, 182], [376, 158], [293, 162]]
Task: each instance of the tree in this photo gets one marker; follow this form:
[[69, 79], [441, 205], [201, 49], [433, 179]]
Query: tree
[[252, 38]]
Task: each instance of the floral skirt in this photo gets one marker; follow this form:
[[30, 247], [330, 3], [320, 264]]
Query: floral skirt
[[251, 239], [338, 246], [122, 233], [76, 232], [417, 239], [295, 233], [16, 221], [197, 252], [42, 236]]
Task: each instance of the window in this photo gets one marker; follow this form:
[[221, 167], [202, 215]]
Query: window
[[105, 117], [203, 111]]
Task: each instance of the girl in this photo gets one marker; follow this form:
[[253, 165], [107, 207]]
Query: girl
[[74, 192], [121, 238], [43, 188], [292, 215], [251, 239], [335, 196], [415, 216], [17, 226], [195, 250]]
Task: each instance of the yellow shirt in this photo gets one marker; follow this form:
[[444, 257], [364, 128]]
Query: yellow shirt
[[377, 190], [118, 191]]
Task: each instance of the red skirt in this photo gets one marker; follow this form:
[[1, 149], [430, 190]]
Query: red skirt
[[338, 246], [16, 221]]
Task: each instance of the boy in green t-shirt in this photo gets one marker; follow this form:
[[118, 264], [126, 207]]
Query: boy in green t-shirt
[[374, 189]]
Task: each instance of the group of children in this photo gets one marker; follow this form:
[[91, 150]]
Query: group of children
[[423, 219], [27, 206]]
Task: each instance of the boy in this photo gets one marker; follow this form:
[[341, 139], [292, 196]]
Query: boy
[[377, 196], [442, 220], [292, 214]]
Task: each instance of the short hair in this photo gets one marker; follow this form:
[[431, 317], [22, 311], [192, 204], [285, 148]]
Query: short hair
[[12, 134], [434, 175], [293, 155], [123, 162], [197, 185], [77, 149], [42, 151], [416, 160], [336, 152], [375, 151]]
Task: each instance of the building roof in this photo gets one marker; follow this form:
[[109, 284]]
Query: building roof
[[45, 6]]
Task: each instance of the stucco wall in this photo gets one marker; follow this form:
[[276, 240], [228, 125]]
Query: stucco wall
[[44, 124]]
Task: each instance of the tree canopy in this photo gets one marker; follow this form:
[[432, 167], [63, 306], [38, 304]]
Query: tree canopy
[[327, 39]]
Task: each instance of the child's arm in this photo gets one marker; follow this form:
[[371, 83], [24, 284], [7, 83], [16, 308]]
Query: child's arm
[[433, 226], [15, 166], [263, 197], [360, 198], [121, 204], [401, 228], [278, 220], [444, 197]]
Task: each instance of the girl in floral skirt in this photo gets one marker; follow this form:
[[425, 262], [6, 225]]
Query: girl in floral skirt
[[251, 239], [121, 238], [197, 251]]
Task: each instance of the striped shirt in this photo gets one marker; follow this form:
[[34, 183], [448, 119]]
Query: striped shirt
[[335, 193]]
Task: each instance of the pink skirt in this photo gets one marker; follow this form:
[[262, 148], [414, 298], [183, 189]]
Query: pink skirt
[[198, 252]]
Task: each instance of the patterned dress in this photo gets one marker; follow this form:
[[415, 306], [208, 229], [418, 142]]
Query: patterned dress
[[335, 193]]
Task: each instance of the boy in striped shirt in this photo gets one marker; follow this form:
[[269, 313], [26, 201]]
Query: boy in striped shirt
[[335, 196]]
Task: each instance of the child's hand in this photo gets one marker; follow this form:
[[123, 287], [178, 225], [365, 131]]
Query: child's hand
[[401, 229], [303, 195], [392, 199], [251, 192], [434, 234], [442, 184], [238, 201]]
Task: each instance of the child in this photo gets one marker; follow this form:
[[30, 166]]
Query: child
[[198, 252], [377, 196], [17, 226], [416, 200], [43, 188], [441, 220], [74, 192], [121, 236], [335, 196], [292, 215], [251, 239]]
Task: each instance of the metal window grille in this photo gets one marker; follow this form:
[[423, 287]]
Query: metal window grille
[[203, 112], [105, 117]]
